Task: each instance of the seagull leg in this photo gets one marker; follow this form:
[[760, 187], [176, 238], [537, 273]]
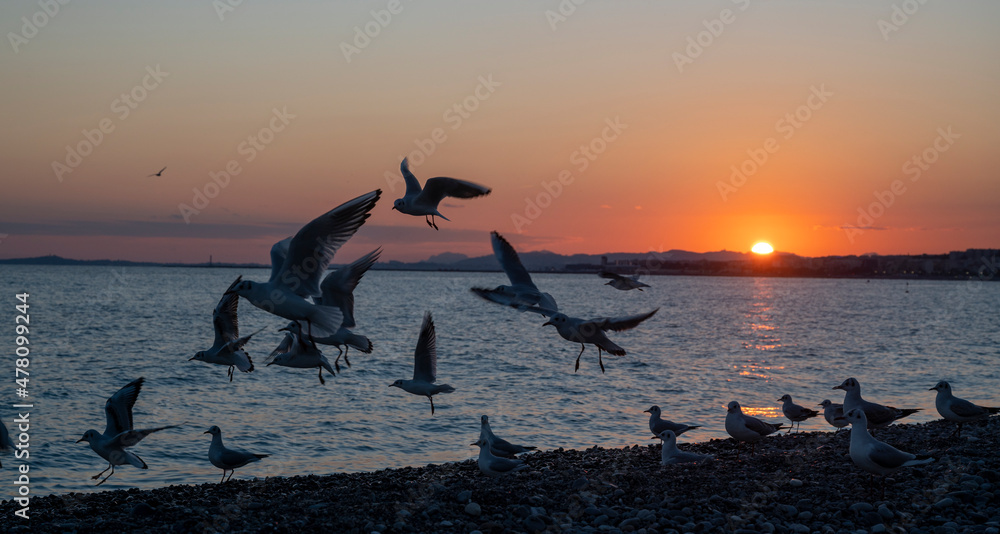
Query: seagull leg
[[223, 476], [347, 348], [433, 224], [582, 348], [107, 477], [432, 403], [600, 360], [231, 473], [336, 361], [230, 373], [98, 475], [321, 381]]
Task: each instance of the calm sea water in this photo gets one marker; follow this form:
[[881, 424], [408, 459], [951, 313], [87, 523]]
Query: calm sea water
[[93, 329]]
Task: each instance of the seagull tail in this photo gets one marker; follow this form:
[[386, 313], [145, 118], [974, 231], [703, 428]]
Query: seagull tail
[[443, 388], [259, 456], [906, 412], [360, 343], [990, 410], [611, 348], [135, 460]]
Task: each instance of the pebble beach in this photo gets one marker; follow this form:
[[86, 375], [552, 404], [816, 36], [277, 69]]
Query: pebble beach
[[799, 483]]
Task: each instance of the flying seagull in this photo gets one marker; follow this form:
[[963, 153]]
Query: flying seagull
[[522, 292], [228, 346], [620, 282], [160, 173], [298, 264], [293, 351], [584, 331], [417, 201], [425, 366], [119, 432]]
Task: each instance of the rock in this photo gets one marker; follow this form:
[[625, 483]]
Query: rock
[[464, 496], [534, 524], [142, 509], [798, 528], [579, 484], [861, 507], [944, 503], [878, 528], [473, 509], [795, 483], [885, 512]]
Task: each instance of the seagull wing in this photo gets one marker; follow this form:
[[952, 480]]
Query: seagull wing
[[510, 262], [619, 324], [278, 252], [412, 185], [758, 426], [284, 347], [119, 408], [610, 275], [129, 438], [312, 248], [425, 356], [224, 318], [964, 408], [887, 456], [338, 286], [504, 298], [436, 189]]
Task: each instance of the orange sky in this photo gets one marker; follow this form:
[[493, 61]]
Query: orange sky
[[837, 102]]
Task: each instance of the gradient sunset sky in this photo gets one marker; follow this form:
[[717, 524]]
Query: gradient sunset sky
[[839, 97]]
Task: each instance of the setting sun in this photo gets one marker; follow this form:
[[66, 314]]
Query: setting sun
[[762, 248]]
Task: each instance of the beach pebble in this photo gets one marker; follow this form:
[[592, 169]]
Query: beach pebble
[[861, 507], [944, 503], [799, 528], [795, 483], [885, 512], [464, 496], [473, 509]]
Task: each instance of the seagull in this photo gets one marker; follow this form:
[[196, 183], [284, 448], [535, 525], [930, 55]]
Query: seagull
[[425, 366], [425, 202], [794, 412], [494, 466], [228, 346], [298, 263], [7, 445], [877, 415], [522, 293], [119, 433], [834, 414], [338, 291], [958, 410], [499, 446], [745, 428], [620, 282], [658, 425], [874, 456], [670, 454], [591, 331], [160, 173], [225, 458], [294, 352]]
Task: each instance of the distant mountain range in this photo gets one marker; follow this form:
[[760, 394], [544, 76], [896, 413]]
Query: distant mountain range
[[448, 261]]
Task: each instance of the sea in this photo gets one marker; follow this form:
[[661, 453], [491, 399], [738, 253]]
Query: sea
[[714, 340]]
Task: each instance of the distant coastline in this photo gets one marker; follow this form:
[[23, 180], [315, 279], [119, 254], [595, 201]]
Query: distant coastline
[[972, 264]]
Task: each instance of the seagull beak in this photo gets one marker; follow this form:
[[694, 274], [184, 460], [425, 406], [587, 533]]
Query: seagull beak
[[546, 323], [207, 432], [838, 387], [394, 207], [79, 440], [191, 358], [932, 389], [655, 437], [268, 364], [285, 329], [646, 411]]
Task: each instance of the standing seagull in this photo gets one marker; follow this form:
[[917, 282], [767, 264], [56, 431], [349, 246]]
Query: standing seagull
[[591, 331], [958, 410], [160, 173], [119, 432], [874, 456], [877, 415], [425, 366], [495, 466], [225, 458], [657, 424], [294, 352], [425, 202], [745, 428], [522, 293], [670, 454], [834, 414], [499, 446], [228, 346], [620, 282], [794, 412], [6, 445], [298, 264]]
